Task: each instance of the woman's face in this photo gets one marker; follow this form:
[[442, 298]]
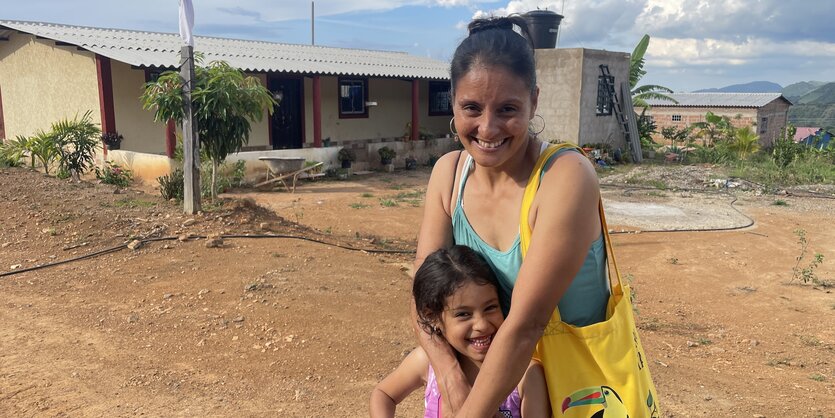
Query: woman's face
[[492, 108]]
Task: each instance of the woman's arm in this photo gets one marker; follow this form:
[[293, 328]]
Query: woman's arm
[[436, 233], [534, 392], [408, 376], [566, 222]]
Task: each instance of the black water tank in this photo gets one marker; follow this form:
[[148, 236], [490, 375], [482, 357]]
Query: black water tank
[[543, 25]]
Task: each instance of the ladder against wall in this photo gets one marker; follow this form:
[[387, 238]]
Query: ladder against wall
[[625, 114]]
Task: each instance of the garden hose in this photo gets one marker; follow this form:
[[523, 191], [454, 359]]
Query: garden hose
[[147, 240]]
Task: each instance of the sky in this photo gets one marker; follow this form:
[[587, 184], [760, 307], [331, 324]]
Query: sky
[[694, 44]]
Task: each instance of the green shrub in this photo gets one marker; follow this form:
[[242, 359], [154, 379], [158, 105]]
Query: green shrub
[[11, 153], [114, 174], [77, 141], [171, 186], [43, 147]]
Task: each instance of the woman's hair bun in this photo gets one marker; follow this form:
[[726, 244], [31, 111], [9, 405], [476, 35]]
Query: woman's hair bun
[[483, 24]]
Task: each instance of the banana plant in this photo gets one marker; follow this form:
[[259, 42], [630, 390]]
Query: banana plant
[[640, 94]]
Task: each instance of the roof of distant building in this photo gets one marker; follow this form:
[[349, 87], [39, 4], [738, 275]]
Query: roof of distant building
[[719, 100], [154, 49], [804, 132]]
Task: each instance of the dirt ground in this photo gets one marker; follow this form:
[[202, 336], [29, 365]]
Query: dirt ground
[[293, 327]]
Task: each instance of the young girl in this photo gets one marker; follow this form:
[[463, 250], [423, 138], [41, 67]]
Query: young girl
[[456, 299]]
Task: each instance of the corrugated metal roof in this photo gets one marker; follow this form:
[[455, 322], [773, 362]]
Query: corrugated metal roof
[[804, 132], [154, 49], [718, 99]]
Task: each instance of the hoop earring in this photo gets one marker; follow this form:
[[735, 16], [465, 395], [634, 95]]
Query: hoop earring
[[534, 131], [452, 129]]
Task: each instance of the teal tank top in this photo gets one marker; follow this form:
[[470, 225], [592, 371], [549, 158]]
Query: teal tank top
[[584, 302]]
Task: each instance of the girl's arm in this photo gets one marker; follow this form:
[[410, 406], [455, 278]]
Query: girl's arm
[[436, 233], [566, 224], [405, 379], [534, 393]]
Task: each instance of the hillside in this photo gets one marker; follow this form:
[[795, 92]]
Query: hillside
[[795, 91], [813, 115], [823, 95], [752, 87]]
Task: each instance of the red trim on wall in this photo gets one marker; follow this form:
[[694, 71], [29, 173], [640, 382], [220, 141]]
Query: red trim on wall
[[170, 138], [317, 112], [105, 78], [415, 135], [2, 122]]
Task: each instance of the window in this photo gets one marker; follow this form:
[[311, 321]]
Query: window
[[604, 94], [353, 92], [152, 74], [440, 98], [763, 125], [676, 118]]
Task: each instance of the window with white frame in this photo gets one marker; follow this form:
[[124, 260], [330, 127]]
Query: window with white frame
[[676, 118], [353, 92]]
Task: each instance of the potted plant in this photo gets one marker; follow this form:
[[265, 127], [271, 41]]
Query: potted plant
[[113, 140], [346, 156], [386, 155], [411, 163]]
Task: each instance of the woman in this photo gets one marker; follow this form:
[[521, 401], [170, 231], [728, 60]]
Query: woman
[[474, 199]]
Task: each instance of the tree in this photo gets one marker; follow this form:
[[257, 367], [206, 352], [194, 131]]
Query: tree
[[224, 103], [714, 128], [640, 94]]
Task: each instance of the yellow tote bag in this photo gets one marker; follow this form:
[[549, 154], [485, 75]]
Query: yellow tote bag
[[599, 370]]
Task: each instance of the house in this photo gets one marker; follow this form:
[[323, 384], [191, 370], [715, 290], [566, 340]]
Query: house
[[354, 98], [767, 111], [817, 137], [346, 97]]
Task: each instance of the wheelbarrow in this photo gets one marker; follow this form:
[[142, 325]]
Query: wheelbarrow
[[281, 169]]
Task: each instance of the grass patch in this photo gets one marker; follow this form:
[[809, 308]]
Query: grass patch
[[387, 203], [396, 186], [704, 341], [367, 195], [358, 205], [810, 341], [817, 377], [779, 202]]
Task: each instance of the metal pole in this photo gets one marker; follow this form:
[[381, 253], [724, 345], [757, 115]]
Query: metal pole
[[312, 24], [191, 143], [559, 28]]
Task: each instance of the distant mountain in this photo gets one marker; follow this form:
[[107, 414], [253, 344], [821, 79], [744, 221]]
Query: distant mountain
[[823, 95], [793, 92], [752, 87]]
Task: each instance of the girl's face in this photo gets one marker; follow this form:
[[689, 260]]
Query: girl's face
[[492, 108], [471, 319]]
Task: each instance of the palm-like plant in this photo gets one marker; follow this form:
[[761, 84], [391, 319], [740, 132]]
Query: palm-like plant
[[745, 142], [640, 94], [42, 146], [77, 140]]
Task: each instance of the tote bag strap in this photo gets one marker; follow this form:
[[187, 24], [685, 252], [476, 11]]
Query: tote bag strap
[[615, 282]]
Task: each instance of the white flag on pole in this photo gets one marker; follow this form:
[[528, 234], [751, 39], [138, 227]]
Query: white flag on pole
[[186, 21]]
